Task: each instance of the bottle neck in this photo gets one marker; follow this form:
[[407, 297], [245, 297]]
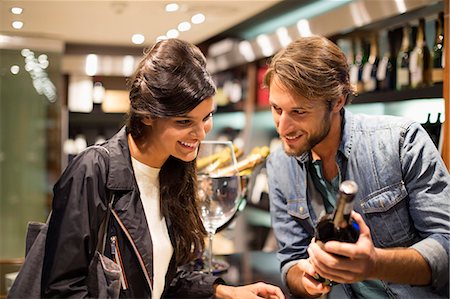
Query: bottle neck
[[420, 40]]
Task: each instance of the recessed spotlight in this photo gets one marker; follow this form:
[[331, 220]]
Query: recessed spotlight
[[17, 24], [15, 69], [171, 7], [172, 33], [184, 26], [198, 18], [16, 10], [137, 39]]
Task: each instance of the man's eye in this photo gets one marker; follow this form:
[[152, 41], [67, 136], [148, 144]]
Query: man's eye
[[299, 112], [276, 109]]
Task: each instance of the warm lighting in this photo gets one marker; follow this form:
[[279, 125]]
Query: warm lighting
[[16, 10], [17, 24], [137, 39], [184, 26], [400, 6], [172, 33], [171, 7], [198, 18], [91, 64]]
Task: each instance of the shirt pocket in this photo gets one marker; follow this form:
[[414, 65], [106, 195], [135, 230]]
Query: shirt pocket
[[298, 208], [387, 215]]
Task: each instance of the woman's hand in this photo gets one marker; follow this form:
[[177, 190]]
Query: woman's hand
[[255, 290]]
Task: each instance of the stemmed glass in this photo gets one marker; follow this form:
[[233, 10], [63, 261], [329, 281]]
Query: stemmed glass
[[219, 187]]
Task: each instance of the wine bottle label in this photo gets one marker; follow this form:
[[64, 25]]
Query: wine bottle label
[[415, 68], [367, 70], [382, 68], [437, 75], [402, 77]]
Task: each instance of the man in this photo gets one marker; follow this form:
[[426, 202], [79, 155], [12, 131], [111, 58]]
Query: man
[[402, 206]]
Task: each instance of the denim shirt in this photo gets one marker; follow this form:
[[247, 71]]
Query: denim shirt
[[403, 195]]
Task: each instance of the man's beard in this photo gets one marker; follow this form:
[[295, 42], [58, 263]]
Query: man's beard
[[311, 141]]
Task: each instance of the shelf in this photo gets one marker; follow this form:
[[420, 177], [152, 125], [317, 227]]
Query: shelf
[[435, 91], [96, 118]]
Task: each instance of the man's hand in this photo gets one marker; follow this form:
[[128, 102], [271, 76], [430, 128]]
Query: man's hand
[[345, 262], [313, 287], [251, 291]]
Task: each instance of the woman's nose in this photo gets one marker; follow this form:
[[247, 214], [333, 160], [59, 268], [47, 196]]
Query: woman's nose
[[199, 132]]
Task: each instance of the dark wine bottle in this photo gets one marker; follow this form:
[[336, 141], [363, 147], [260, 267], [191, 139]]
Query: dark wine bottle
[[403, 57], [354, 66], [369, 75], [438, 50], [365, 48], [339, 226], [385, 69]]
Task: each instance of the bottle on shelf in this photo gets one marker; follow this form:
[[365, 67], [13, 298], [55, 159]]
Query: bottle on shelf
[[369, 74], [356, 58], [403, 75], [385, 66], [364, 50], [438, 50], [420, 62], [339, 226]]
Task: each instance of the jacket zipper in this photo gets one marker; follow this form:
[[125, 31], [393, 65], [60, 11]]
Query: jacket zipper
[[115, 251], [141, 261]]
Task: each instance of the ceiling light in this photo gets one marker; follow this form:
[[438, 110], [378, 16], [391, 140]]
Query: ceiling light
[[184, 26], [172, 33], [137, 39], [198, 18], [17, 24], [15, 69], [16, 10], [171, 7], [91, 65]]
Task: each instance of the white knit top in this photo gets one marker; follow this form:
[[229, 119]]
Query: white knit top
[[148, 183]]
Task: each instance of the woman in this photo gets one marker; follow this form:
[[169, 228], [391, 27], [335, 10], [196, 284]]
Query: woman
[[148, 170]]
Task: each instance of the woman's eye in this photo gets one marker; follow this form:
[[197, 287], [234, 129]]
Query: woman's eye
[[208, 117], [183, 122]]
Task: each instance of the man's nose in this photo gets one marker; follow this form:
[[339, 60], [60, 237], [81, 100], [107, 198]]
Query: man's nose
[[284, 123]]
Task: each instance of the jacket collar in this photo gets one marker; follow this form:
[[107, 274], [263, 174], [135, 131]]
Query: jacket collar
[[348, 133], [120, 175]]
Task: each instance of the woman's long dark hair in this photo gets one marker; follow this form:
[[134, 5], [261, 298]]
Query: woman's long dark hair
[[171, 80]]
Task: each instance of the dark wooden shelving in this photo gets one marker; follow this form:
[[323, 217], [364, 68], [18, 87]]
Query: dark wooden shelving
[[435, 91]]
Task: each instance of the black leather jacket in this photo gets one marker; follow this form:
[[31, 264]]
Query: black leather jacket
[[79, 207]]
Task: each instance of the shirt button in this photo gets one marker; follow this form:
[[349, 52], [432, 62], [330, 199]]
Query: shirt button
[[300, 209]]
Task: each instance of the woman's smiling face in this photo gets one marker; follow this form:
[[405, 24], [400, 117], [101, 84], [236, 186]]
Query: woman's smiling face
[[180, 136]]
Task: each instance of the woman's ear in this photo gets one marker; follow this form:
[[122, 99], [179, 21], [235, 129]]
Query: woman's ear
[[147, 121]]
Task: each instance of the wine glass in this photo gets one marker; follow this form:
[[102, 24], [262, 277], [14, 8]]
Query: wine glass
[[219, 187]]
